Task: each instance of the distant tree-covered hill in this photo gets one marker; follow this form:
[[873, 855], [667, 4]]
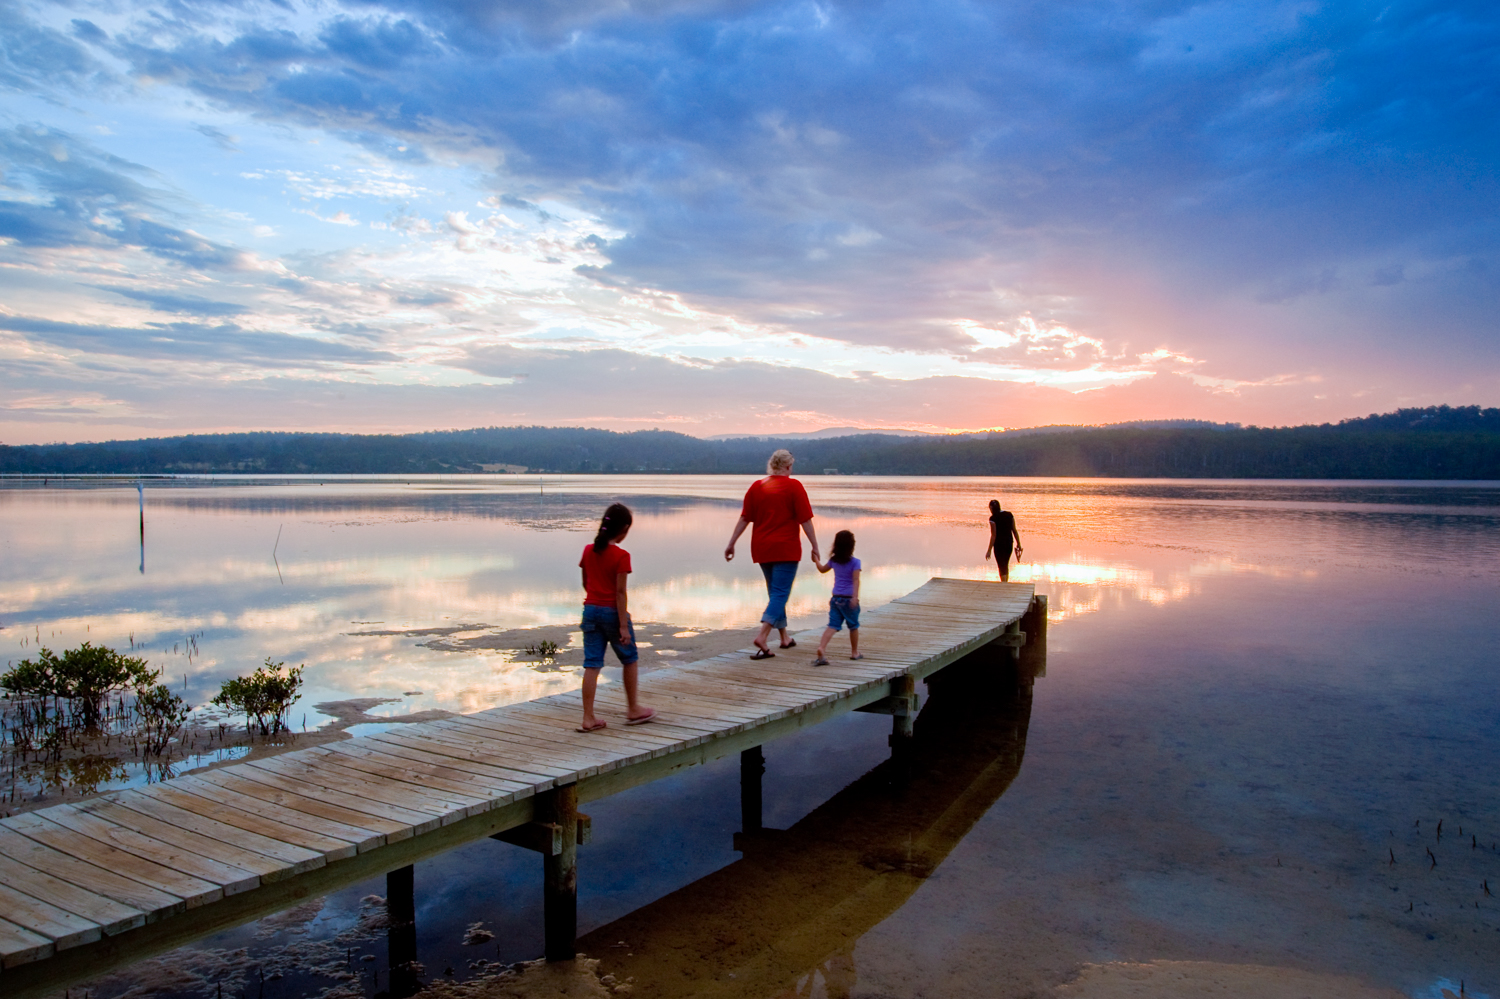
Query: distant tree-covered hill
[[1439, 442]]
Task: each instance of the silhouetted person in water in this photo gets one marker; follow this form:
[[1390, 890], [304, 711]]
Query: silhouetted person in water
[[1002, 531]]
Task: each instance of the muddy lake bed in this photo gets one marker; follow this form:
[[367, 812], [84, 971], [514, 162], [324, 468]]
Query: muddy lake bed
[[1259, 700]]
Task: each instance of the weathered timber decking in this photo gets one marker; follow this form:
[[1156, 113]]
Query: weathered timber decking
[[119, 877]]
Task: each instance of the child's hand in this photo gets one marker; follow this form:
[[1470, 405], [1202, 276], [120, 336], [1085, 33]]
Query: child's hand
[[854, 603]]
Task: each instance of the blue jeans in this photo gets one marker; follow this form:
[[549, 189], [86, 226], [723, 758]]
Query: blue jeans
[[779, 577], [601, 627]]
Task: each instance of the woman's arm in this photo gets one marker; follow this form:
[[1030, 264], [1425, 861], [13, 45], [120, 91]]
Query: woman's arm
[[738, 530], [621, 606], [989, 549], [855, 602], [812, 537]]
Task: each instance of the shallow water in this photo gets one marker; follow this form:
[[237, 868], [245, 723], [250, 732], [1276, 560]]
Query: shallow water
[[1253, 693]]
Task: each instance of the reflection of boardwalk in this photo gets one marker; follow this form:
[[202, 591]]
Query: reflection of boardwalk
[[132, 873], [788, 915]]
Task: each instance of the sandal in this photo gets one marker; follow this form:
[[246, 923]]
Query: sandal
[[763, 654], [594, 728], [643, 719], [857, 655], [789, 645], [820, 661]]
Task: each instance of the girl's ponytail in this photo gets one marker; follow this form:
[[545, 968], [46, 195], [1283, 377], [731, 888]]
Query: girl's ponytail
[[616, 520]]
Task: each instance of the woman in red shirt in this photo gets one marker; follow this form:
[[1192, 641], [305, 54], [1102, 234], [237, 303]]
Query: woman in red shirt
[[777, 505], [606, 617]]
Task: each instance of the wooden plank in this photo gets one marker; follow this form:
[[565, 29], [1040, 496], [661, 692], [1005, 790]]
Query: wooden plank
[[110, 916], [463, 755], [151, 902], [524, 760], [21, 946], [266, 856], [398, 802], [264, 827], [366, 832], [192, 890], [394, 822], [558, 726], [405, 777], [619, 743], [420, 769], [63, 928], [88, 819]]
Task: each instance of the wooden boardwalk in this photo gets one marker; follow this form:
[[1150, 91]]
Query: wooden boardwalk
[[117, 878]]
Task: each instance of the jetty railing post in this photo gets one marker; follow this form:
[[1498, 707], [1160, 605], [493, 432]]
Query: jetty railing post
[[560, 875], [401, 936], [752, 768]]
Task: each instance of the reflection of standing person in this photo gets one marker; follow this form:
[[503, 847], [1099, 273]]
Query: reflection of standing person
[[1002, 530], [777, 505], [606, 616]]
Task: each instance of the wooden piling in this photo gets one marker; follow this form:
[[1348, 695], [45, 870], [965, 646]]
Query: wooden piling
[[401, 935], [752, 769], [901, 721], [560, 875]]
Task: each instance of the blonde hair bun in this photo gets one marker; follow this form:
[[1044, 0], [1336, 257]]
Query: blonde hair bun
[[781, 459]]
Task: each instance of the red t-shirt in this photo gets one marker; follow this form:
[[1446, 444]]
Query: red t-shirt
[[600, 571], [777, 505]]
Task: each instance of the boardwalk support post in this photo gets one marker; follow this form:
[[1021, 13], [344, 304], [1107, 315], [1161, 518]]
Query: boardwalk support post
[[903, 689], [401, 936], [752, 768], [560, 874]]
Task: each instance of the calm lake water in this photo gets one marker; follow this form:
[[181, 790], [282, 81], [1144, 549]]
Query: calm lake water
[[1256, 695]]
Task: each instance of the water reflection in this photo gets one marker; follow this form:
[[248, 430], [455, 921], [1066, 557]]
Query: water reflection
[[353, 578], [788, 915]]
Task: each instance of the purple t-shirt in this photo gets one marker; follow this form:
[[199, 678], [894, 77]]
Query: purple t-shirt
[[843, 577]]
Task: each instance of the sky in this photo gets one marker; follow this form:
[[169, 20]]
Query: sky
[[742, 216]]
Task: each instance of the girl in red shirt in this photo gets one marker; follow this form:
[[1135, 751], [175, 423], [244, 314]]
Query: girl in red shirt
[[606, 617]]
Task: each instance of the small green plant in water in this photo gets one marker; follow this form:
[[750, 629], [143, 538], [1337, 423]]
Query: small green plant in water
[[545, 649], [82, 678], [264, 696], [161, 716]]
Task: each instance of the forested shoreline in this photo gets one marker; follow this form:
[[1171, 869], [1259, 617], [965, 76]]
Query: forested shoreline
[[1433, 443]]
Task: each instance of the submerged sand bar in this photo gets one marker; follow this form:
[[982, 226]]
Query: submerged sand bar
[[93, 885]]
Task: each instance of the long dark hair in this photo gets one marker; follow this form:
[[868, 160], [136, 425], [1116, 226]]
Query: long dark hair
[[994, 509], [843, 547], [616, 520]]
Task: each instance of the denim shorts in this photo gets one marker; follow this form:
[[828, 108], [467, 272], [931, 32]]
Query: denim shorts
[[841, 611], [601, 627]]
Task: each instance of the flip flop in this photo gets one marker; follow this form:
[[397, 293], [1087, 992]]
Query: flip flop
[[763, 654], [595, 728], [643, 719], [860, 655], [820, 661], [789, 645]]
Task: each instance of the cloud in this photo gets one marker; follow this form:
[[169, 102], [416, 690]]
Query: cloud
[[34, 56], [194, 342], [79, 195], [225, 141], [1221, 206], [163, 301]]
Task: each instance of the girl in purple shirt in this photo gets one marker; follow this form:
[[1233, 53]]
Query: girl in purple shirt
[[843, 606]]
